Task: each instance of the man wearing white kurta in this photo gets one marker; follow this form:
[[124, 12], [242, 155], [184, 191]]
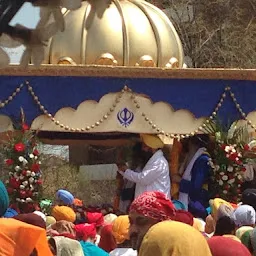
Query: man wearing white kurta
[[155, 174]]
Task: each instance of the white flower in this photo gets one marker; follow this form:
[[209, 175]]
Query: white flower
[[227, 149], [31, 180], [225, 177], [18, 200], [39, 162], [36, 157], [28, 173], [7, 182], [217, 167], [21, 177], [230, 168], [22, 187], [28, 200], [22, 200], [25, 161], [237, 159], [17, 168], [239, 185], [10, 173], [233, 150], [221, 183], [31, 156], [25, 183], [239, 176], [21, 158], [222, 173], [33, 174], [31, 187], [231, 181], [225, 191]]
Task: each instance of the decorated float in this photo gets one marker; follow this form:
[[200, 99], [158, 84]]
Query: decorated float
[[110, 77]]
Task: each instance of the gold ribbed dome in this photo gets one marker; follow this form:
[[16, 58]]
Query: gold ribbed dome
[[121, 33]]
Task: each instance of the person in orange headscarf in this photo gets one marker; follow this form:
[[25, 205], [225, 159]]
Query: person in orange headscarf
[[21, 239]]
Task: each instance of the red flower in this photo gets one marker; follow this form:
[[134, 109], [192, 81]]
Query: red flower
[[35, 167], [243, 169], [246, 147], [29, 193], [24, 172], [14, 183], [35, 152], [9, 162], [25, 127], [22, 194], [39, 182], [226, 187], [19, 147], [223, 146], [10, 190]]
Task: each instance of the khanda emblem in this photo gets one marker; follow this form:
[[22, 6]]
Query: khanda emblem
[[125, 117]]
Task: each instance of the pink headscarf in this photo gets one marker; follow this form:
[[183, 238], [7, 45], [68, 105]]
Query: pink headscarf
[[95, 218], [154, 205]]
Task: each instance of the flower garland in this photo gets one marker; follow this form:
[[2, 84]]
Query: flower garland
[[22, 160]]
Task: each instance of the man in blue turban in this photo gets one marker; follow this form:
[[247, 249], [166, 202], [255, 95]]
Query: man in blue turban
[[4, 199], [64, 197]]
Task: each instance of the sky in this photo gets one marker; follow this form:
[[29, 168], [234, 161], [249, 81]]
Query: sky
[[27, 16]]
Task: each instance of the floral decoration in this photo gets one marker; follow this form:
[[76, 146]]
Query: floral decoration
[[23, 163], [229, 159]]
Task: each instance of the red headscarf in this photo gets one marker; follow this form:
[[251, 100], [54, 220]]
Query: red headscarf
[[85, 231], [95, 218], [107, 240], [224, 246], [154, 205], [184, 216]]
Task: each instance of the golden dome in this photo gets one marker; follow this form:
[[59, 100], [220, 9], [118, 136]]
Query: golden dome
[[120, 33]]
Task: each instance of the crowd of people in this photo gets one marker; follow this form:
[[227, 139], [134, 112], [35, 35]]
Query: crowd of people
[[150, 224]]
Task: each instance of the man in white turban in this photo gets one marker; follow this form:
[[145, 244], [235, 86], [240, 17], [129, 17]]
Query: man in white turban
[[155, 174]]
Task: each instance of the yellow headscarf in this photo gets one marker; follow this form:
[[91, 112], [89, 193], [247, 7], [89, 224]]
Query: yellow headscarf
[[50, 221], [152, 141], [63, 213], [215, 204], [120, 228], [171, 238]]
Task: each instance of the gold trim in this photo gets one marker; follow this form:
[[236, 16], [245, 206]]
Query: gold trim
[[130, 72]]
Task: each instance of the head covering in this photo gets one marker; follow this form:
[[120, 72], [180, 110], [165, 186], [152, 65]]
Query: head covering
[[107, 240], [31, 219], [77, 202], [65, 196], [45, 205], [50, 221], [199, 224], [95, 218], [4, 199], [154, 205], [224, 246], [42, 215], [233, 237], [224, 226], [64, 226], [244, 215], [171, 238], [184, 216], [253, 240], [63, 213], [215, 204], [120, 228], [249, 197], [92, 249], [242, 230], [85, 231], [178, 205], [246, 240], [109, 218], [152, 141], [10, 213], [67, 247], [224, 210], [19, 238]]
